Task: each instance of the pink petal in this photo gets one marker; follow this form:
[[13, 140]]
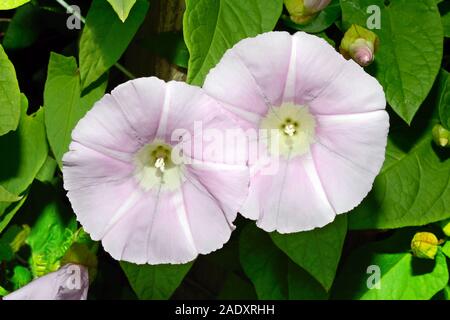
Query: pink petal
[[349, 155], [153, 231], [84, 167], [70, 282], [328, 83], [252, 75], [122, 122], [153, 226], [99, 206], [175, 227], [290, 201]]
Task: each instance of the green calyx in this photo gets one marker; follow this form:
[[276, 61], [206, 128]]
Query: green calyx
[[358, 40], [424, 245], [441, 136]]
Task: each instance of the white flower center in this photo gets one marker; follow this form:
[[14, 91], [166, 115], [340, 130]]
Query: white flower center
[[154, 168], [291, 130]]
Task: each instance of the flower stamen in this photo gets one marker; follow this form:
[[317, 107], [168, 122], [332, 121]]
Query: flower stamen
[[160, 164], [289, 129]]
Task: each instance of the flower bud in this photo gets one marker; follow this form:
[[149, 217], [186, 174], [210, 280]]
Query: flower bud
[[360, 45], [424, 245], [303, 11], [441, 136]]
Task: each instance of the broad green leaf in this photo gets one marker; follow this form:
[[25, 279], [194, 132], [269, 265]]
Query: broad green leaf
[[105, 38], [446, 249], [411, 43], [122, 7], [237, 288], [9, 95], [273, 274], [11, 4], [24, 28], [212, 27], [27, 151], [155, 282], [6, 196], [444, 99], [413, 187], [402, 276], [324, 20], [64, 106], [317, 251], [47, 171]]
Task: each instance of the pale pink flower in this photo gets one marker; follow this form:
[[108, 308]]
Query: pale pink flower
[[71, 282], [128, 191], [330, 120]]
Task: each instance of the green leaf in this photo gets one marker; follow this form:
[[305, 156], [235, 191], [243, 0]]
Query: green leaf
[[317, 251], [237, 288], [323, 21], [444, 99], [155, 282], [273, 274], [212, 27], [47, 171], [27, 151], [9, 95], [64, 106], [402, 276], [122, 7], [446, 249], [413, 187], [105, 38], [6, 196], [444, 8], [10, 212], [21, 277], [6, 253], [24, 28], [11, 4], [53, 232], [3, 292], [410, 53]]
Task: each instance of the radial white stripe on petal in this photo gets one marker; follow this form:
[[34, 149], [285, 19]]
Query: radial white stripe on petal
[[123, 210], [162, 127], [178, 202], [289, 89], [311, 171]]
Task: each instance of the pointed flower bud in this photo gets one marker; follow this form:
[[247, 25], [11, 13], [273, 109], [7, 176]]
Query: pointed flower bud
[[303, 11], [360, 45], [441, 136], [424, 245]]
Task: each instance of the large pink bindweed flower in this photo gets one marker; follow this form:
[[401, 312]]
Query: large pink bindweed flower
[[70, 282], [329, 121], [129, 191]]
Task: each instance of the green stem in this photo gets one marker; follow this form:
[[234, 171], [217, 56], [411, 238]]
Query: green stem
[[124, 71]]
